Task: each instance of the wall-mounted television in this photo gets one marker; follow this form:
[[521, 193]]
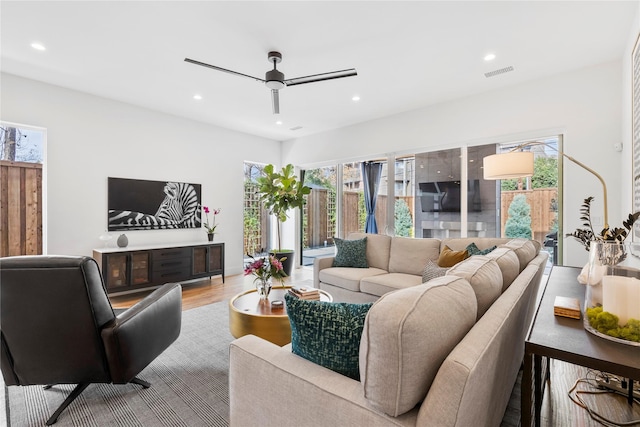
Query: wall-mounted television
[[136, 204], [444, 196]]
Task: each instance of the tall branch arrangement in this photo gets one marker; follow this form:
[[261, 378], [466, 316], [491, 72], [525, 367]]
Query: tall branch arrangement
[[586, 235]]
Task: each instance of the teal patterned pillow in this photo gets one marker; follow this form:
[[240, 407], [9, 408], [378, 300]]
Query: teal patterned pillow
[[351, 253], [327, 333], [474, 250]]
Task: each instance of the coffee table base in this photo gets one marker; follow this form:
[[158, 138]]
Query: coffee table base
[[248, 315]]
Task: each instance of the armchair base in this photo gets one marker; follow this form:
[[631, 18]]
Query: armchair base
[[76, 392]]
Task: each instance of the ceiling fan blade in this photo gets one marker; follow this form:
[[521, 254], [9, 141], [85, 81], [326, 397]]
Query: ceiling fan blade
[[320, 77], [275, 101], [203, 64]]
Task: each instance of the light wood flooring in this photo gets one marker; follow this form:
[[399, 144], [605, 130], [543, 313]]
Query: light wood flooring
[[203, 292], [557, 410]]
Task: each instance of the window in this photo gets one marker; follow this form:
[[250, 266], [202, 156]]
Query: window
[[530, 206], [319, 220], [21, 144], [256, 218], [21, 194]]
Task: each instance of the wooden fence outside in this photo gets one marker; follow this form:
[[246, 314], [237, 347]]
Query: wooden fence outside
[[543, 203], [320, 226], [20, 208], [256, 222]]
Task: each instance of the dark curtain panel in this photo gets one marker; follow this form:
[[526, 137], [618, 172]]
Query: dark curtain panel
[[371, 178]]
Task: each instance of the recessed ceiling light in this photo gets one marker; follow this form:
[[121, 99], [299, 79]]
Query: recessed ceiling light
[[355, 98], [38, 46], [490, 57], [279, 122], [197, 97]]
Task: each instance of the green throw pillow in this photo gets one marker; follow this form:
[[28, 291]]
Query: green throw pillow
[[474, 250], [351, 253], [326, 333]]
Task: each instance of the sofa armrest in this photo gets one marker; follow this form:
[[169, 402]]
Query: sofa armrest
[[143, 332], [320, 263], [270, 384]]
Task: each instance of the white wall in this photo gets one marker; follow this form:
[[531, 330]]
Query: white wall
[[583, 105], [91, 138]]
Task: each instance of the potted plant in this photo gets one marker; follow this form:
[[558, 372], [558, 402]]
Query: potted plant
[[280, 192], [587, 234]]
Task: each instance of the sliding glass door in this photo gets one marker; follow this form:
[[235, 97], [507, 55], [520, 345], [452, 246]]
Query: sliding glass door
[[319, 220]]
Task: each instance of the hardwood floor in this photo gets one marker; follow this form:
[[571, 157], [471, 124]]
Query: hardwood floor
[[557, 409], [208, 291]]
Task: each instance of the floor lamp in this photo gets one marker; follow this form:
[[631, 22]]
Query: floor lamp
[[519, 164]]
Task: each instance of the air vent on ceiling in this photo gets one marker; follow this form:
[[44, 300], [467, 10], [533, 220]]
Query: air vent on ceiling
[[296, 128], [500, 71]]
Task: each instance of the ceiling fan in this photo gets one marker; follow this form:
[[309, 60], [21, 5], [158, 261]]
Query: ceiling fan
[[275, 80]]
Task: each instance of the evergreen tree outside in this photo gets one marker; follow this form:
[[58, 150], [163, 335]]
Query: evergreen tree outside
[[545, 172], [403, 220], [545, 175], [519, 222]]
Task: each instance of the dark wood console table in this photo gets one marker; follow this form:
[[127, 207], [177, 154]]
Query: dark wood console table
[[566, 339], [137, 268]]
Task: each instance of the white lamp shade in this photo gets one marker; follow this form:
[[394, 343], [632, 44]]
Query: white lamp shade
[[516, 164]]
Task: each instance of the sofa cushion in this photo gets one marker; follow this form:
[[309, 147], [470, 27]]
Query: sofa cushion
[[380, 285], [509, 265], [406, 337], [326, 333], [378, 247], [432, 270], [473, 249], [351, 253], [525, 249], [449, 258], [347, 278], [410, 255], [485, 277]]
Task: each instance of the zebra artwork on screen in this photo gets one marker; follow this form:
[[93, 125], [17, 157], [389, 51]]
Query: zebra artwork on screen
[[135, 204]]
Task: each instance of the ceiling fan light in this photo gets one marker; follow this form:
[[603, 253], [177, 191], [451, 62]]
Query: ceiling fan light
[[274, 84], [274, 79]]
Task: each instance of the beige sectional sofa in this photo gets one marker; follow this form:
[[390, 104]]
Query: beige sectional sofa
[[443, 353], [398, 262]]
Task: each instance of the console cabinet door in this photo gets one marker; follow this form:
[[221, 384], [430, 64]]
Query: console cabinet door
[[208, 260], [216, 258], [126, 269], [200, 256], [116, 270], [140, 268]]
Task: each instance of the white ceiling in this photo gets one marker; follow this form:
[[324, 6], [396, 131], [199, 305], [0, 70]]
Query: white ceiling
[[408, 54]]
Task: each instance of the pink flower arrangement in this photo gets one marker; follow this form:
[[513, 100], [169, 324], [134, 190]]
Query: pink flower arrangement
[[210, 229], [265, 269]]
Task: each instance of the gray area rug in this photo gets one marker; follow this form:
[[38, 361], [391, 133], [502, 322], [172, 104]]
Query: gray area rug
[[189, 385]]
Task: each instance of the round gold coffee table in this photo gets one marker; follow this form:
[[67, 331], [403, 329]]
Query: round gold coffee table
[[249, 315]]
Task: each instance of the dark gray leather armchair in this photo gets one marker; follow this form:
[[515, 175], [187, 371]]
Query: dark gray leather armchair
[[57, 326]]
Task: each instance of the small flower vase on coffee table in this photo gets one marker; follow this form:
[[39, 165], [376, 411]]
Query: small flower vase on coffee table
[[264, 288], [210, 236]]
